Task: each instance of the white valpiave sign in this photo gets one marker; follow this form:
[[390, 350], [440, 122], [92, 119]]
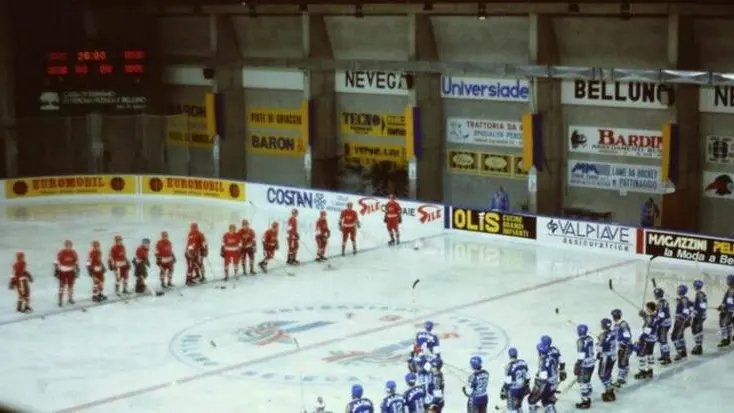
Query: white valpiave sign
[[484, 132], [372, 82], [640, 95], [596, 235], [614, 141]]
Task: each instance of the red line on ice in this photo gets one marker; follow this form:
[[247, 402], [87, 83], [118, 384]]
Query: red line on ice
[[199, 376]]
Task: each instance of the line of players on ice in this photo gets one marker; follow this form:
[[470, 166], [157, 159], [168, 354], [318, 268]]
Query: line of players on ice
[[238, 248], [614, 346]]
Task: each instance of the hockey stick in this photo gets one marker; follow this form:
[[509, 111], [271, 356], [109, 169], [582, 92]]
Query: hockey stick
[[626, 300], [647, 279]]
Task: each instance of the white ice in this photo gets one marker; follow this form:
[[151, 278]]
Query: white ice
[[211, 349]]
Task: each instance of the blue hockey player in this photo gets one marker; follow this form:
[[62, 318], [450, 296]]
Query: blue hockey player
[[476, 389], [665, 322], [726, 313], [584, 367], [555, 353], [426, 342], [700, 306], [436, 401], [393, 402], [645, 346], [683, 308], [624, 347], [415, 396], [517, 382], [607, 357], [359, 404], [546, 382]]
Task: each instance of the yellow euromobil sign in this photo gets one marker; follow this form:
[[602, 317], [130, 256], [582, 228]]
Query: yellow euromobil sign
[[193, 187], [71, 185]]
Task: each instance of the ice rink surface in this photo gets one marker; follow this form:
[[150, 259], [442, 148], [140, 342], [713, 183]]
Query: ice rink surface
[[273, 343]]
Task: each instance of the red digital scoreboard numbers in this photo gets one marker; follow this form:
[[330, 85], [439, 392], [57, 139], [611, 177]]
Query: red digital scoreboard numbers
[[96, 63]]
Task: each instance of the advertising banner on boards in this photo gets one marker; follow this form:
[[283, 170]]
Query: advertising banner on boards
[[588, 235], [373, 82], [193, 187], [479, 88], [484, 132], [688, 247], [368, 154], [492, 222], [718, 185], [599, 140], [614, 176], [44, 186], [641, 95]]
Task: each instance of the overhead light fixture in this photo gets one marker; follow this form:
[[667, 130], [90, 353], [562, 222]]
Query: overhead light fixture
[[428, 6], [481, 11], [358, 11]]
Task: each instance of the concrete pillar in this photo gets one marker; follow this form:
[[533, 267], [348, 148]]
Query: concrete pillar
[[680, 210], [546, 100], [319, 90], [228, 82], [426, 94], [8, 139]]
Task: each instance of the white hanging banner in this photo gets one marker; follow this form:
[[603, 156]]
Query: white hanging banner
[[615, 141], [484, 132]]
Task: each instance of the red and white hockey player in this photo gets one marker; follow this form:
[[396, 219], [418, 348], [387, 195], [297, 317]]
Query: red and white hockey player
[[322, 236], [193, 264], [96, 270], [66, 269], [293, 238], [21, 281], [164, 259], [249, 246], [348, 224], [230, 252], [141, 263], [393, 218], [198, 240], [118, 263], [270, 245]]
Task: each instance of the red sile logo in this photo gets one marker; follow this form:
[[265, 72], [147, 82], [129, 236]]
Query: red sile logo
[[368, 205], [428, 213]]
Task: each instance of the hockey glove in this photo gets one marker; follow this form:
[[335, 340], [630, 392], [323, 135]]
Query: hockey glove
[[385, 219], [359, 225], [503, 393], [577, 369], [563, 375], [221, 252], [400, 219]]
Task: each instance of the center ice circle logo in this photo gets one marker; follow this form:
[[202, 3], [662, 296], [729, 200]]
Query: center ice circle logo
[[339, 343]]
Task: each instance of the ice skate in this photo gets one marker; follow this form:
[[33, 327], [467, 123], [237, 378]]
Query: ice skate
[[644, 375], [608, 396], [664, 361], [725, 342], [697, 350], [619, 383], [263, 267], [682, 355], [584, 404]]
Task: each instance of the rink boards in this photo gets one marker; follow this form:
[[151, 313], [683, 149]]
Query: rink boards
[[419, 220]]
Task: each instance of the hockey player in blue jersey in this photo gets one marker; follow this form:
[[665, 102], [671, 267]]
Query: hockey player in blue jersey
[[393, 402], [427, 343], [583, 369], [359, 404], [726, 313], [700, 306], [625, 346], [517, 382], [663, 314], [607, 356], [683, 308], [476, 389], [648, 338], [435, 400], [546, 381], [555, 353], [415, 396]]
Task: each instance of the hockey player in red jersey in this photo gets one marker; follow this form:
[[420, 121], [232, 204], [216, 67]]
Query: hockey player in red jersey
[[66, 269], [270, 245], [293, 238], [198, 240], [393, 218], [118, 263], [164, 259], [348, 224], [141, 263], [193, 264], [230, 252], [96, 270], [21, 281], [249, 245], [322, 236]]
